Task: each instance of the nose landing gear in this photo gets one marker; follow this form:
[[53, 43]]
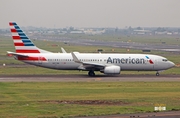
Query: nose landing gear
[[157, 73]]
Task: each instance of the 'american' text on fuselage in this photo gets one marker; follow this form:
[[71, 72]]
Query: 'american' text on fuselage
[[126, 60]]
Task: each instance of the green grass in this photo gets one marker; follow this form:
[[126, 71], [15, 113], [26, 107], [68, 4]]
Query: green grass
[[22, 99]]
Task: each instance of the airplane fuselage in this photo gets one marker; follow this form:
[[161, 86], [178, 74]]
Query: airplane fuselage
[[64, 61], [111, 64]]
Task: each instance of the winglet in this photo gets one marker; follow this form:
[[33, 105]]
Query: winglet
[[63, 50], [75, 58]]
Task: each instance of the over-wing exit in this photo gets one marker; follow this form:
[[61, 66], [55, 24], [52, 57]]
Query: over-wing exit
[[110, 64]]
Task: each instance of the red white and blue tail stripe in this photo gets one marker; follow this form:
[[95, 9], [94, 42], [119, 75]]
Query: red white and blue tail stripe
[[21, 42]]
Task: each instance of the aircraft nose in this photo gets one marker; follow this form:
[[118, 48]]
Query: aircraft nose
[[171, 64]]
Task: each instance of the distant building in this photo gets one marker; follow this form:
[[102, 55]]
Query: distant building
[[94, 32], [141, 32], [77, 32]]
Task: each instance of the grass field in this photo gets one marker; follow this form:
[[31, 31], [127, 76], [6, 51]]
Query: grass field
[[67, 99]]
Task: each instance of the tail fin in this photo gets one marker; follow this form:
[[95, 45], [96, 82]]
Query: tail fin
[[21, 42]]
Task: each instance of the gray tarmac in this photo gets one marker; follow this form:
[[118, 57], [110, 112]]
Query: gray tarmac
[[86, 78]]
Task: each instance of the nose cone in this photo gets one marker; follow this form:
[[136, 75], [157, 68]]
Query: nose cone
[[171, 64]]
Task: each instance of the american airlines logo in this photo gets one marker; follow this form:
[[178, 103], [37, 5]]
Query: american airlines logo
[[150, 61]]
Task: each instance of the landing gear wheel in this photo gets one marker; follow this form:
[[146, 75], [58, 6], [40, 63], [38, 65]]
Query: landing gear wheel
[[157, 74], [91, 73]]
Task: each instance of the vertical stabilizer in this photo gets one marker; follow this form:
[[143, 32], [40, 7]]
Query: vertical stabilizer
[[21, 42]]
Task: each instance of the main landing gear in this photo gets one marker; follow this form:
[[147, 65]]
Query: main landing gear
[[91, 73], [157, 73]]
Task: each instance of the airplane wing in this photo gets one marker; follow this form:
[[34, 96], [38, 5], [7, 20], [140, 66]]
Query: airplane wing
[[87, 65]]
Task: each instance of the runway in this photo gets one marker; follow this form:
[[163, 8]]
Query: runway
[[120, 44], [85, 78]]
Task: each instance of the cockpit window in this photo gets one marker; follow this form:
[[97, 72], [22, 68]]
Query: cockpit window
[[164, 60]]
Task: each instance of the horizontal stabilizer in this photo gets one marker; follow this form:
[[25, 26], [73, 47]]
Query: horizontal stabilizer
[[17, 54]]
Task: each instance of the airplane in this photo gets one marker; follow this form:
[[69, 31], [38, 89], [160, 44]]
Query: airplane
[[109, 64]]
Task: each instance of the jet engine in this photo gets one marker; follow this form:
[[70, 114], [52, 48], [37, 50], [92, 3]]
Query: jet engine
[[112, 70]]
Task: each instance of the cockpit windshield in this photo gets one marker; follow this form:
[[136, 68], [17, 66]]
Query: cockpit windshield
[[164, 60]]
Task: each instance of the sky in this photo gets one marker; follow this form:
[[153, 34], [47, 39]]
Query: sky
[[90, 13]]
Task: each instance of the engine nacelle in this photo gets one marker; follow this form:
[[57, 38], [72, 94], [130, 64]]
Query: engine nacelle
[[112, 70]]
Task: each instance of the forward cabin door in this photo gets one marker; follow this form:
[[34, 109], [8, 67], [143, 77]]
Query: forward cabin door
[[155, 65]]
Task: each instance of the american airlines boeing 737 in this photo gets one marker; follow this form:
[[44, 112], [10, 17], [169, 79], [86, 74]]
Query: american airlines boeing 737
[[110, 64]]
